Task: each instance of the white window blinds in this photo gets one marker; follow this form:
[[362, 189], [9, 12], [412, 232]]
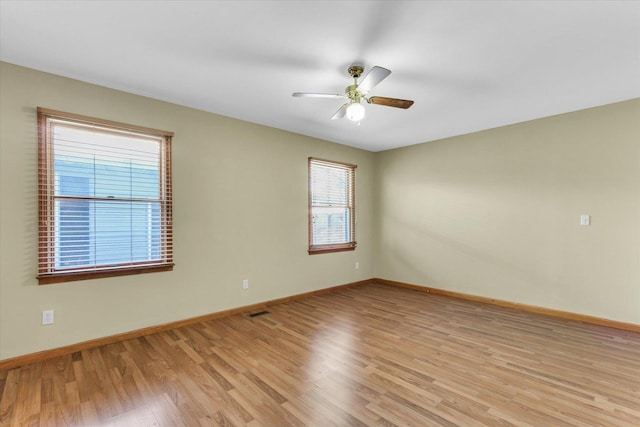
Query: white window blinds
[[331, 206], [105, 198]]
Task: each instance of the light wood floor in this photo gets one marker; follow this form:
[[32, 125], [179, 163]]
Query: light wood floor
[[369, 355]]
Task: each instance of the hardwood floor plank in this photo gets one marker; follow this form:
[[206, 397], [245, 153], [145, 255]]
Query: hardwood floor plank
[[367, 355], [9, 394]]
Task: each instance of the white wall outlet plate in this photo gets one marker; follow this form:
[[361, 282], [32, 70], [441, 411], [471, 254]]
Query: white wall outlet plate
[[47, 317], [585, 220]]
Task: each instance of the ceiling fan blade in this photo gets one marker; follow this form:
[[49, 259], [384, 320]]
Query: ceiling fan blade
[[390, 102], [317, 95], [341, 112], [373, 77]]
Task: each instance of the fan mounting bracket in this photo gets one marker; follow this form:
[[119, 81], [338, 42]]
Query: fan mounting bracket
[[355, 71]]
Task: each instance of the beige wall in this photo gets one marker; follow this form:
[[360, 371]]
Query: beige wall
[[240, 211], [496, 213]]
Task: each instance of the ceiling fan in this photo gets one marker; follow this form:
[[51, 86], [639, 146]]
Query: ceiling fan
[[356, 92]]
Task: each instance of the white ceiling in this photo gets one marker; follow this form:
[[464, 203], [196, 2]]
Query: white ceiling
[[469, 65]]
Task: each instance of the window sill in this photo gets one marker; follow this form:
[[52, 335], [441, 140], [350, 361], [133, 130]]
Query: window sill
[[315, 250], [98, 274]]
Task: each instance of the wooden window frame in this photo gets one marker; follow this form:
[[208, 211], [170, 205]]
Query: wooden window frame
[[351, 205], [47, 273]]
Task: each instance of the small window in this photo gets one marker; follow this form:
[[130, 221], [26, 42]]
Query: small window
[[331, 206], [104, 198]]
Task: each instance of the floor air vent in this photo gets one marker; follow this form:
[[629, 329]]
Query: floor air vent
[[259, 313]]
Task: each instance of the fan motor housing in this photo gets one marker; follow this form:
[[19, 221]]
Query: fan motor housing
[[353, 93]]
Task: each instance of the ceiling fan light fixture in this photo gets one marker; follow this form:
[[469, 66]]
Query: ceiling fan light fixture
[[355, 112], [355, 93]]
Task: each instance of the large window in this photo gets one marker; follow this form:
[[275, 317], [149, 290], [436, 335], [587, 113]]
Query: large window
[[331, 206], [104, 198]]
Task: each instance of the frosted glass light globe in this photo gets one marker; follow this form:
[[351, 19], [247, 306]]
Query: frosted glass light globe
[[355, 112]]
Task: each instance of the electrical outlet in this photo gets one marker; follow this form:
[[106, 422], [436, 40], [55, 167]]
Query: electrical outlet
[[585, 219], [357, 265], [47, 317], [245, 284]]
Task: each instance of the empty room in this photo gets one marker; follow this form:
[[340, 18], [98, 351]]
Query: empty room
[[319, 213]]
